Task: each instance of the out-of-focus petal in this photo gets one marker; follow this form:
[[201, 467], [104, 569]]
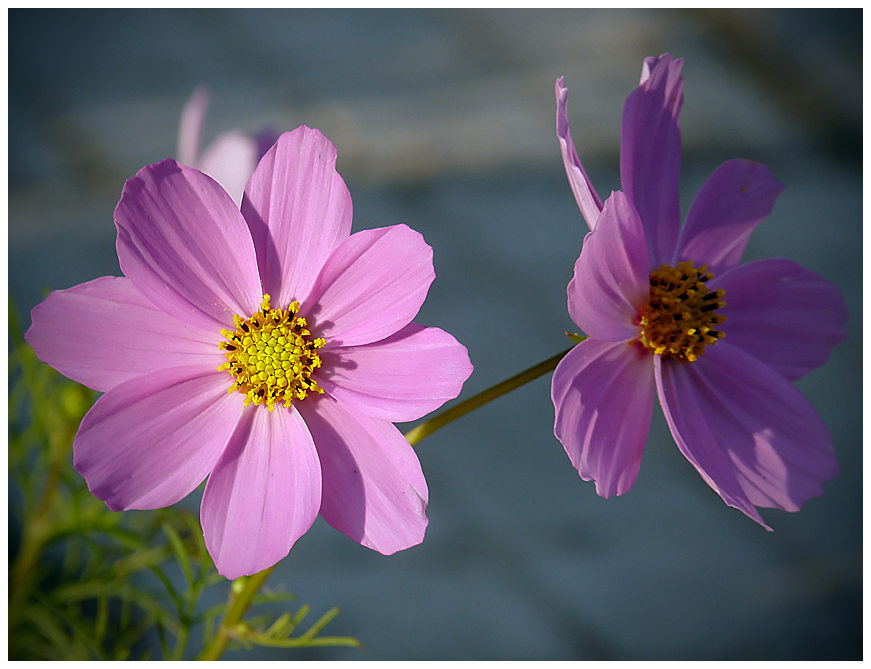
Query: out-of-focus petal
[[230, 160], [370, 287], [185, 246], [585, 195], [737, 196], [264, 493], [400, 378], [612, 281], [298, 209], [150, 441], [782, 314], [104, 332], [191, 126], [603, 395], [749, 432], [650, 153], [373, 487]]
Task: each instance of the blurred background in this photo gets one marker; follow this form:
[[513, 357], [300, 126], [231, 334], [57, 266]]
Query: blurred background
[[444, 120]]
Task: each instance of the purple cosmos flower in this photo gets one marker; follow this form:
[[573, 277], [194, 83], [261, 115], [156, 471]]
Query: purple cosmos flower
[[671, 313], [230, 159], [269, 349]]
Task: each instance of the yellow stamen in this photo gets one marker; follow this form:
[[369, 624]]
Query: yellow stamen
[[271, 356], [680, 319]]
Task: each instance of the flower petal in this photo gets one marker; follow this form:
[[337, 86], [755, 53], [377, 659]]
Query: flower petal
[[585, 195], [749, 432], [371, 287], [782, 314], [737, 196], [603, 395], [185, 246], [373, 487], [400, 378], [650, 153], [263, 494], [612, 281], [150, 441], [230, 160], [298, 209], [104, 332], [190, 127]]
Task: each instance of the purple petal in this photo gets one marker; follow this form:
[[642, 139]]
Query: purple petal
[[782, 314], [185, 246], [191, 126], [749, 432], [737, 196], [370, 287], [585, 195], [603, 395], [263, 494], [400, 378], [103, 332], [230, 160], [298, 209], [650, 153], [150, 441], [612, 282], [373, 487]]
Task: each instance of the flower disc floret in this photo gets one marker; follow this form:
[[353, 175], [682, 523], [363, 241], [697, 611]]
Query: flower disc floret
[[272, 356], [680, 319]]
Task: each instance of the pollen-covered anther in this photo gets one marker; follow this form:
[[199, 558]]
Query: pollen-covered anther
[[680, 319], [271, 356]]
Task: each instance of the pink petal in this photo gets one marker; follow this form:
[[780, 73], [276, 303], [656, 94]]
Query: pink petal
[[374, 490], [230, 160], [737, 196], [650, 153], [782, 314], [401, 378], [298, 209], [104, 332], [371, 287], [603, 395], [263, 494], [191, 126], [751, 434], [585, 195], [150, 441], [185, 246], [612, 281]]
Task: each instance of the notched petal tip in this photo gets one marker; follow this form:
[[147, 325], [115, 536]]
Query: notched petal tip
[[588, 200]]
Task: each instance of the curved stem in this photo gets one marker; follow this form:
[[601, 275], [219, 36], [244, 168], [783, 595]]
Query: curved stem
[[242, 593], [417, 434], [243, 589]]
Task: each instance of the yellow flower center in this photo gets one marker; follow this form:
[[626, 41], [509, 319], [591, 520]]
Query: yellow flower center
[[271, 356], [680, 319]]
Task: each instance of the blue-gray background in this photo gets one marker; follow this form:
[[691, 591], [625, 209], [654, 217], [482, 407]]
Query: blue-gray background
[[445, 120]]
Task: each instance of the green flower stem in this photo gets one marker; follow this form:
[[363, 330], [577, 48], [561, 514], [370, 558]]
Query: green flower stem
[[242, 594], [419, 433], [243, 589], [36, 531]]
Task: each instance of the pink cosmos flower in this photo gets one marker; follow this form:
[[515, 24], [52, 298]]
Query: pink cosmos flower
[[268, 349], [671, 313], [230, 159]]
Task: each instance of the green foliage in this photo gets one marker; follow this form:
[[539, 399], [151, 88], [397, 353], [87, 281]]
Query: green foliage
[[89, 583]]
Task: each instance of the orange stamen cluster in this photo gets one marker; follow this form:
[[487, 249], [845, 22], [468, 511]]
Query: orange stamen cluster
[[681, 319]]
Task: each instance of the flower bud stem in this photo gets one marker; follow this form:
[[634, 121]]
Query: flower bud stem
[[242, 592]]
